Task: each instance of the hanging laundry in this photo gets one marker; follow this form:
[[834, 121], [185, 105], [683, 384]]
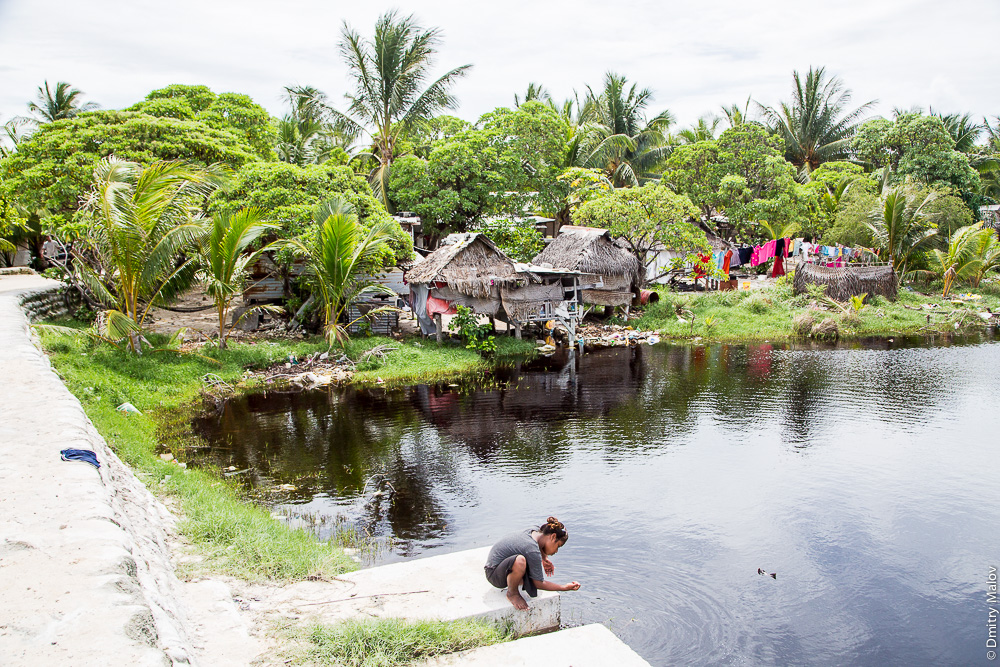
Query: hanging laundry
[[746, 255]]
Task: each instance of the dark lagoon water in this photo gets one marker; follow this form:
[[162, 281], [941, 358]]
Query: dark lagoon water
[[866, 478]]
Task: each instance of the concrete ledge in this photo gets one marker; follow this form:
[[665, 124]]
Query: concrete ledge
[[448, 587], [585, 646]]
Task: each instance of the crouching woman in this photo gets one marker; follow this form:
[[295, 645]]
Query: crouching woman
[[521, 559]]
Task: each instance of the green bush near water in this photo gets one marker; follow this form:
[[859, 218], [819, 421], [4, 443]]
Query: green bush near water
[[393, 642]]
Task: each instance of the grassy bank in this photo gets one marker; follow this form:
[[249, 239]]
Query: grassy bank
[[425, 361], [776, 314], [392, 643], [236, 537]]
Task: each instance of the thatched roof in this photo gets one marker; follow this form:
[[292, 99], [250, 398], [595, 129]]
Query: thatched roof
[[844, 282], [588, 250], [469, 263]]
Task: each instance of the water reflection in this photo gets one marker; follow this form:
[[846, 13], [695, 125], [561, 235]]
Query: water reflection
[[856, 473]]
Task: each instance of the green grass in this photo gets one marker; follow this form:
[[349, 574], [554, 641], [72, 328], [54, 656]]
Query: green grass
[[768, 314], [427, 361], [236, 537], [392, 642]]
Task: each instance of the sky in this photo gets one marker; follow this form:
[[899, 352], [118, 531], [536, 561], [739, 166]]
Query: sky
[[694, 56]]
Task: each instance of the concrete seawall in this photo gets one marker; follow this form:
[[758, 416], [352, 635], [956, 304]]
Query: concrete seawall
[[85, 571]]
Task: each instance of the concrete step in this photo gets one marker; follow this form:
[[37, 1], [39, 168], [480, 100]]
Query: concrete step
[[448, 587], [585, 646]]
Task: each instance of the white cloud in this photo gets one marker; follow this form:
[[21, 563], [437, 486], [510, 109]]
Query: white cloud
[[695, 56]]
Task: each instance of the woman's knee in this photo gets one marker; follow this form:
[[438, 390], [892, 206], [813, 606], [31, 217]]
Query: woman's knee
[[520, 564]]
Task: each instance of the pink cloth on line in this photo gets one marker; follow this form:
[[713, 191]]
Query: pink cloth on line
[[755, 256], [767, 251]]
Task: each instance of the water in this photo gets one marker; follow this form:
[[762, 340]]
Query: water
[[866, 479]]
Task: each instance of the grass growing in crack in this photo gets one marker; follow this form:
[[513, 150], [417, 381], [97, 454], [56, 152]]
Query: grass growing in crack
[[393, 642]]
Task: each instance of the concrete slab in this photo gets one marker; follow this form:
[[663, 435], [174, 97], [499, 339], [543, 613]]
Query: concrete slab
[[448, 587], [585, 646]]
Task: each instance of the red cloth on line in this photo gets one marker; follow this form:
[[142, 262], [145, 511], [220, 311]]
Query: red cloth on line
[[779, 267], [435, 306]]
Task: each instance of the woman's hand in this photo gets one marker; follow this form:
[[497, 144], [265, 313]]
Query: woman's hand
[[572, 586], [547, 565]]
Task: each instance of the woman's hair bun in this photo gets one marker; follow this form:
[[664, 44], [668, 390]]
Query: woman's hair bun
[[554, 525]]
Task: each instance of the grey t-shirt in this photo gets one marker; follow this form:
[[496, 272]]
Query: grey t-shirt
[[519, 543]]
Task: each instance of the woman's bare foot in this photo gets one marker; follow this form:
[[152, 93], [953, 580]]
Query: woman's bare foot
[[515, 599]]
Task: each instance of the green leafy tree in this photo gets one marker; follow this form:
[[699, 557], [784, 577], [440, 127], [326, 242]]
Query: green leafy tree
[[515, 237], [290, 194], [988, 254], [231, 112], [619, 139], [463, 181], [226, 260], [141, 220], [336, 260], [391, 95], [696, 171], [647, 219], [535, 136], [53, 169], [919, 147], [756, 183], [816, 124], [59, 104]]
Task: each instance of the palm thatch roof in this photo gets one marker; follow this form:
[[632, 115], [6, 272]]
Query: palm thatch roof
[[591, 250], [469, 263], [844, 282]]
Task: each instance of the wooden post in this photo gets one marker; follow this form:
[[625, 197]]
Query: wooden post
[[437, 325], [517, 329]]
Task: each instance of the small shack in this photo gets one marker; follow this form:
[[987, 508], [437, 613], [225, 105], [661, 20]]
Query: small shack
[[844, 282], [611, 274], [469, 270]]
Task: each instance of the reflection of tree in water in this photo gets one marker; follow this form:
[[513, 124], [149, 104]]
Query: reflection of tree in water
[[621, 402], [518, 418]]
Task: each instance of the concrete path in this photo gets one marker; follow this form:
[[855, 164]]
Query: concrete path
[[448, 587], [585, 646], [85, 577]]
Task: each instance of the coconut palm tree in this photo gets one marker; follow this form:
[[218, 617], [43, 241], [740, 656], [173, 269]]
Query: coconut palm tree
[[959, 261], [61, 103], [308, 134], [141, 220], [902, 225], [988, 253], [620, 140], [336, 259], [536, 91], [226, 261], [736, 116], [390, 96], [962, 130], [816, 125], [703, 130]]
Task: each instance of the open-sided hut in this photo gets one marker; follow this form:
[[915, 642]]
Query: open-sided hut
[[844, 282], [592, 252], [467, 270]]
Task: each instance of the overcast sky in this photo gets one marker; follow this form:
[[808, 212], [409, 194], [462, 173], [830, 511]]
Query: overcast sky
[[695, 56]]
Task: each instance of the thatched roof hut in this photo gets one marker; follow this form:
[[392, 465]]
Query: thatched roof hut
[[844, 282], [470, 264], [593, 252]]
